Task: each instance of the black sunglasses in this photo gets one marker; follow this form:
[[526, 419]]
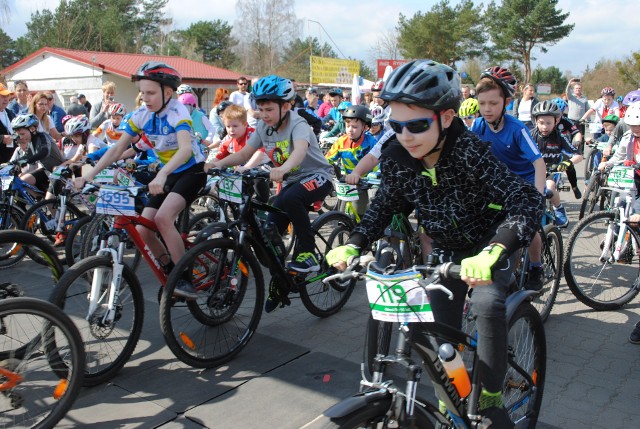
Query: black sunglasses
[[415, 126]]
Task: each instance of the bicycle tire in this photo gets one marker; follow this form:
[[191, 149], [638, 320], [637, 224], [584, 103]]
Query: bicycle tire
[[588, 165], [200, 221], [42, 382], [601, 285], [73, 243], [319, 298], [376, 413], [527, 351], [10, 218], [91, 243], [552, 267], [35, 247], [108, 346], [218, 325], [33, 222], [378, 333], [590, 197]]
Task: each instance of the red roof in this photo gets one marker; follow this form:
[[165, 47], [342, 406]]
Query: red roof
[[127, 64]]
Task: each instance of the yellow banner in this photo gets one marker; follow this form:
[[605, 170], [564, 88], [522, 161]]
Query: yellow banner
[[333, 70]]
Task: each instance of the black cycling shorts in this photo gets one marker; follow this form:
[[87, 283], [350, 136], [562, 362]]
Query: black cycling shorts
[[187, 184]]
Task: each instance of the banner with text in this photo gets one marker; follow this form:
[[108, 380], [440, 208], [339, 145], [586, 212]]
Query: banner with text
[[382, 65], [333, 70]]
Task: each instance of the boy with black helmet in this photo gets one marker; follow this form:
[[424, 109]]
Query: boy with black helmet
[[476, 211], [555, 148], [292, 147], [350, 148], [166, 124]]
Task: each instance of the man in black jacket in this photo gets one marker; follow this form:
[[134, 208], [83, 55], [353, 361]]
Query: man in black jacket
[[6, 145]]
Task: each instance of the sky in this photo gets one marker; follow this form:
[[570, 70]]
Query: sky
[[355, 25]]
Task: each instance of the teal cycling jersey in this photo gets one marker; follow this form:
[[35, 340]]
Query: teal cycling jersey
[[350, 153], [161, 132]]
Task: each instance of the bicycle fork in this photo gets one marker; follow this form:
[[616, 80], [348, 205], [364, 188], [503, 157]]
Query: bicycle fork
[[97, 295]]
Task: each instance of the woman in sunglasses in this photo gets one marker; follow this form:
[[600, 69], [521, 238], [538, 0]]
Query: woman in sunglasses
[[476, 211]]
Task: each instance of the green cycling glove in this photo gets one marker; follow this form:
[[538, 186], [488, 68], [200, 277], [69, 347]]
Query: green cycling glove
[[479, 266], [564, 165], [344, 254]]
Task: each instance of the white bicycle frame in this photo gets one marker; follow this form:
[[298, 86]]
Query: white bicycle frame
[[624, 214]]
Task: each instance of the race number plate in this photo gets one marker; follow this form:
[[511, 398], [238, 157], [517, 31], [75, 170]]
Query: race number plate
[[115, 201], [230, 189], [405, 301]]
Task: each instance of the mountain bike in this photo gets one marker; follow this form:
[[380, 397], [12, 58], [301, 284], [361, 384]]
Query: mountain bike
[[402, 296], [16, 197], [57, 215], [551, 257], [102, 293], [224, 319], [601, 266], [41, 362]]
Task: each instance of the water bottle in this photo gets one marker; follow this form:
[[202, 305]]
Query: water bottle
[[453, 364], [272, 235]]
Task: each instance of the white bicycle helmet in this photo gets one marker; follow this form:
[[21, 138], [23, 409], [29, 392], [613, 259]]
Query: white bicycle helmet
[[77, 125], [632, 115], [184, 89]]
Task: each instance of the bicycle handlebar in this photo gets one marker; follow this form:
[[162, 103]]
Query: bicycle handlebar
[[359, 266]]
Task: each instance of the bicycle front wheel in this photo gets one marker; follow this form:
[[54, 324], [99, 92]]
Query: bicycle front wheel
[[593, 275], [50, 363], [109, 338], [380, 413], [591, 196], [527, 359], [212, 329], [552, 268], [331, 229]]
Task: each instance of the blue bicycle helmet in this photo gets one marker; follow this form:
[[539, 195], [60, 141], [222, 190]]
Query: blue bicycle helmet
[[344, 105], [24, 121], [274, 88], [561, 103]]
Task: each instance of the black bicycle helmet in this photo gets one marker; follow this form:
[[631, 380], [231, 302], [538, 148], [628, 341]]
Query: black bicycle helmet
[[503, 77], [159, 72], [358, 112], [424, 83], [220, 107], [546, 108]]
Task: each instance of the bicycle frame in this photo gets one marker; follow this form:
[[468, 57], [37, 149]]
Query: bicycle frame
[[624, 212], [428, 358]]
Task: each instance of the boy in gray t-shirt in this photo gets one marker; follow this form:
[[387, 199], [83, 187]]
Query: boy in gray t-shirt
[[293, 149]]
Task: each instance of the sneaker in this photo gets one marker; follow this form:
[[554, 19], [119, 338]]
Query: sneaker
[[577, 193], [497, 418], [184, 289], [273, 300], [561, 217], [305, 262], [535, 279], [634, 338], [60, 238]]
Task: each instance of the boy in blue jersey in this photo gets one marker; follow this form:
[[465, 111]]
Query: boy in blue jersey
[[512, 144], [166, 124]]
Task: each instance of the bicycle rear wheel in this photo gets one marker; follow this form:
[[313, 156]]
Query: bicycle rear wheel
[[331, 229], [36, 219], [75, 238], [552, 267], [108, 344], [594, 277], [524, 381], [212, 329], [50, 363]]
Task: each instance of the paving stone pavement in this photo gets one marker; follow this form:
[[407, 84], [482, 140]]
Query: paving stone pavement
[[298, 365]]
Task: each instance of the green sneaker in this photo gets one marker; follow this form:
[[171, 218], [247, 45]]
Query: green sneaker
[[305, 262]]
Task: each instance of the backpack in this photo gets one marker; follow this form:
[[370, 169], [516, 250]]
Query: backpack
[[55, 157]]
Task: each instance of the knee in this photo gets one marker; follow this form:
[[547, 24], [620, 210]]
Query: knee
[[488, 304]]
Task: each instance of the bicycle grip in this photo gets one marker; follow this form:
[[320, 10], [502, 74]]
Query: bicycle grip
[[451, 271]]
